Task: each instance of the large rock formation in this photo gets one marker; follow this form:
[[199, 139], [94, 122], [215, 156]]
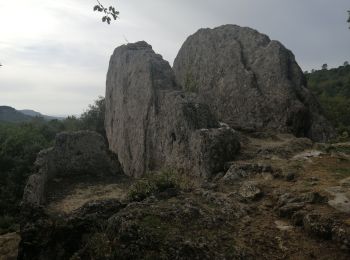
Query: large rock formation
[[250, 82], [75, 153], [151, 124]]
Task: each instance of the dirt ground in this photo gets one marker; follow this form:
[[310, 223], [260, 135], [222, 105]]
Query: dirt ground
[[66, 195]]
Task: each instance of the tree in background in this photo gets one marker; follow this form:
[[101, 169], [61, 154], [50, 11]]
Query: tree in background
[[94, 118], [332, 88], [324, 66]]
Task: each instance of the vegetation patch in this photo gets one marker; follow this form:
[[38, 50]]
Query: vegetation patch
[[153, 183], [156, 182], [332, 89], [190, 83], [342, 172]]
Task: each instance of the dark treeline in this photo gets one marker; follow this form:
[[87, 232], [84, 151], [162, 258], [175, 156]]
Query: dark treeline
[[332, 88]]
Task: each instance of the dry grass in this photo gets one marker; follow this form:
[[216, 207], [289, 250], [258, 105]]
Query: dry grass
[[84, 194]]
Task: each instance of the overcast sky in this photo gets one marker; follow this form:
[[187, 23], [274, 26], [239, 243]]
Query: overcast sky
[[55, 53]]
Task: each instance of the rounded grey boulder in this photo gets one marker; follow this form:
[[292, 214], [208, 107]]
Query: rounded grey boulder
[[250, 82]]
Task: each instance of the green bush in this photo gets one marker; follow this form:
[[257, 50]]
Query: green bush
[[190, 83], [154, 182], [94, 118], [332, 88]]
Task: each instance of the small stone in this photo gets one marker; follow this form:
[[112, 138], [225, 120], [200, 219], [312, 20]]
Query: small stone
[[288, 209], [314, 198], [249, 190], [317, 225], [282, 225]]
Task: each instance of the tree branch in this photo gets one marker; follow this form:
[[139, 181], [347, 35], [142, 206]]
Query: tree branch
[[109, 13]]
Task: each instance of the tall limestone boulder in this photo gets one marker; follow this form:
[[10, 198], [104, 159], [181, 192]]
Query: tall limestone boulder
[[151, 124], [250, 82]]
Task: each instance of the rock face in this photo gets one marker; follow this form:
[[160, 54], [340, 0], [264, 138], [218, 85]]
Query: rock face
[[250, 82], [83, 152], [151, 124]]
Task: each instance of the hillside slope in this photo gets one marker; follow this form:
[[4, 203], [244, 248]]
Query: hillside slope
[[12, 115], [9, 114], [33, 113]]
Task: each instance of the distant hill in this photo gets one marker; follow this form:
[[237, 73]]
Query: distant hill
[[332, 88], [10, 114], [33, 113]]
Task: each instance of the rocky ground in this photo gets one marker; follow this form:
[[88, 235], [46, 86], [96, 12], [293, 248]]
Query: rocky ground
[[284, 198]]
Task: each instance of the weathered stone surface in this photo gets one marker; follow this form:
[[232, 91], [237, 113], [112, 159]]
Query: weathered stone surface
[[151, 124], [251, 82], [82, 152], [250, 190]]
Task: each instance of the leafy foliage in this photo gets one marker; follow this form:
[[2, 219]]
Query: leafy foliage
[[332, 88], [109, 13], [94, 118], [154, 183], [190, 83]]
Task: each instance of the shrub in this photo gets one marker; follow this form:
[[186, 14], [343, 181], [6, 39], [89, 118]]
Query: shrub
[[153, 183]]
